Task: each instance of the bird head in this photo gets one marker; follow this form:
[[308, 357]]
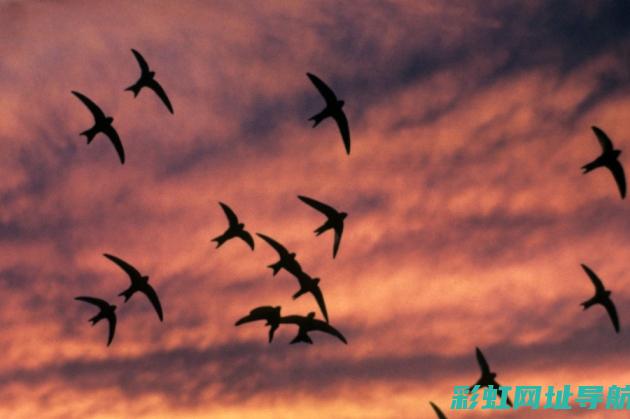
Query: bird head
[[151, 73], [617, 152], [340, 103], [292, 255], [311, 315], [113, 307], [315, 281], [343, 215], [109, 119], [241, 226], [144, 278]]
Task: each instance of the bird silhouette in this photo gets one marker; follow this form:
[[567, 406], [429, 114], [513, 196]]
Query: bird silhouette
[[147, 79], [138, 283], [287, 260], [102, 123], [107, 312], [608, 158], [487, 378], [438, 412], [602, 296], [268, 313], [333, 109], [308, 324], [334, 221], [235, 229], [308, 284]]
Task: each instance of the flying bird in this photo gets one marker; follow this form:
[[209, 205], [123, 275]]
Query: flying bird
[[334, 221], [147, 79], [102, 123], [438, 412], [487, 378], [308, 324], [287, 260], [138, 283], [308, 284], [333, 109], [107, 312], [235, 229], [608, 158], [268, 313], [602, 296]]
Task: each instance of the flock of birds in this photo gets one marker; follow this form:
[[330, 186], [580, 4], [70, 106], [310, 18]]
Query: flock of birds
[[271, 315]]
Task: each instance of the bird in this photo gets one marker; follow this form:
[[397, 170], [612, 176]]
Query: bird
[[602, 296], [287, 260], [438, 412], [102, 123], [235, 229], [268, 313], [308, 324], [333, 109], [138, 283], [107, 312], [334, 221], [487, 378], [308, 284], [147, 79], [610, 159]]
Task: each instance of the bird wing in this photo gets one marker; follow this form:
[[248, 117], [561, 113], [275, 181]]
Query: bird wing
[[259, 313], [342, 122], [316, 324], [319, 297], [115, 139], [604, 141], [483, 364], [599, 286], [282, 251], [612, 312], [149, 291], [102, 304], [617, 170], [232, 219], [327, 210], [144, 67], [246, 237], [130, 270], [323, 88], [157, 88], [93, 107], [338, 233], [112, 327], [438, 412]]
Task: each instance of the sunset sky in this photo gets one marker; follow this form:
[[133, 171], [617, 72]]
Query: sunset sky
[[468, 213]]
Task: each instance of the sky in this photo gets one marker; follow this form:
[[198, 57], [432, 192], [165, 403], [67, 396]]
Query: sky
[[468, 213]]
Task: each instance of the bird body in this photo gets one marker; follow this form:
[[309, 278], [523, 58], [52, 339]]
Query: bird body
[[335, 220], [287, 259], [147, 79], [107, 312], [236, 229], [487, 377], [102, 124], [609, 159], [602, 296], [333, 109]]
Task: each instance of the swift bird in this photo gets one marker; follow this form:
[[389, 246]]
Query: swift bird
[[308, 324], [147, 79], [287, 260], [333, 109], [102, 123], [334, 221], [107, 312], [608, 158], [268, 313], [438, 412], [487, 378], [602, 296], [138, 283], [235, 229], [308, 284]]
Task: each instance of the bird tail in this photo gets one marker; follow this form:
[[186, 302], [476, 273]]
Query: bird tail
[[301, 292], [587, 304], [127, 294], [319, 230], [275, 267], [302, 337], [220, 240], [588, 167], [318, 118], [90, 133], [95, 319], [135, 88]]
